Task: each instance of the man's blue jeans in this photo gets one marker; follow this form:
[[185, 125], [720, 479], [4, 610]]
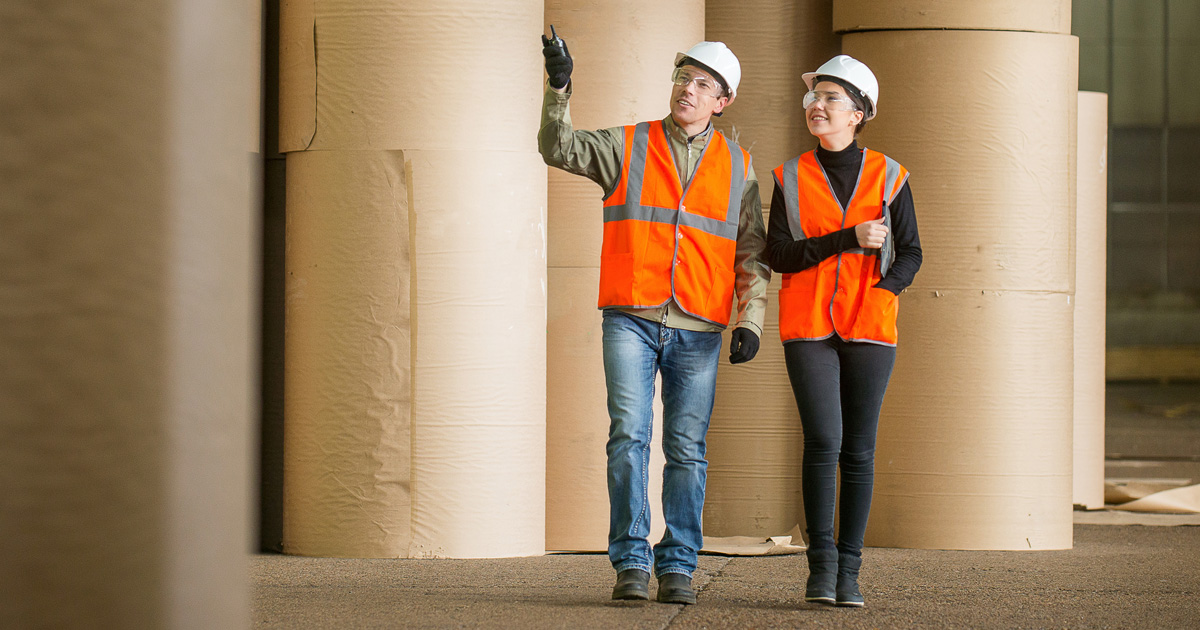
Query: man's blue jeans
[[634, 350]]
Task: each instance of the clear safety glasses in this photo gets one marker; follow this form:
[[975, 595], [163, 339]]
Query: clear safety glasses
[[831, 100], [704, 84]]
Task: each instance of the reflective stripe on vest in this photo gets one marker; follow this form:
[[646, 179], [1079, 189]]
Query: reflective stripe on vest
[[893, 178], [665, 241], [838, 295]]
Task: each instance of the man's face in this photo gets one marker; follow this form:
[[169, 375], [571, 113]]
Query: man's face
[[696, 96]]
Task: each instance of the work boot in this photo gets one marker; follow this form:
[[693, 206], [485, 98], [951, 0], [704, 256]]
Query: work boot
[[632, 584], [822, 576], [847, 581], [675, 588]]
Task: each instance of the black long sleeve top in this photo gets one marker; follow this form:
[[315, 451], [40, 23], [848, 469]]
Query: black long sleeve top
[[786, 255]]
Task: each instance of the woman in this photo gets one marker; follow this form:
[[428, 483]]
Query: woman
[[844, 235]]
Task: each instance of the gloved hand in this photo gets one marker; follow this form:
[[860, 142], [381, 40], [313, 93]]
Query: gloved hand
[[558, 62], [744, 345]]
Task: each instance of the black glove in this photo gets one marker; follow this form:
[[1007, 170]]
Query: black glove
[[558, 62], [744, 345]]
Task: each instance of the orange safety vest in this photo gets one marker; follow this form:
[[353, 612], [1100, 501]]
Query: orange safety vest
[[838, 295], [665, 241]]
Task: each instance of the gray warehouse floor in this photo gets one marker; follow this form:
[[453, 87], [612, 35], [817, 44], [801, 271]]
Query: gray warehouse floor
[[1117, 576]]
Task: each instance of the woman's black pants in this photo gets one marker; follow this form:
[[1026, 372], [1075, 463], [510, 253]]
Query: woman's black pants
[[839, 389]]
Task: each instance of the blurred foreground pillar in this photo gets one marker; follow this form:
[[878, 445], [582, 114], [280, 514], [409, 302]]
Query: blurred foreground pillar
[[130, 161]]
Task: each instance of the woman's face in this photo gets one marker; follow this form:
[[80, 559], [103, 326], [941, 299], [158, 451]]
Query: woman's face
[[828, 114]]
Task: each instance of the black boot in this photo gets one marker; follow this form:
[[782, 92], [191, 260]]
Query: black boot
[[675, 588], [822, 575], [847, 581], [632, 584]]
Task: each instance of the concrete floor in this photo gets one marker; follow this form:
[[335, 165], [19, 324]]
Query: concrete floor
[[1116, 576]]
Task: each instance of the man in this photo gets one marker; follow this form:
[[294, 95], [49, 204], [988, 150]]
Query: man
[[683, 231]]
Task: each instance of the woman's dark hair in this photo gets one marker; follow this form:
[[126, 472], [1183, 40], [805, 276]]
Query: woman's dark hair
[[855, 97]]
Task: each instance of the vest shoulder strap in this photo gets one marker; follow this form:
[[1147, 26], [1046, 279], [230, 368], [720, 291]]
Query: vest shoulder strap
[[893, 179]]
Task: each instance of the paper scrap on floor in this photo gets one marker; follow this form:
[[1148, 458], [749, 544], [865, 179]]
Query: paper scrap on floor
[[792, 542]]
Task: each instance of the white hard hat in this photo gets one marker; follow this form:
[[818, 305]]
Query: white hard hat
[[719, 59], [854, 72]]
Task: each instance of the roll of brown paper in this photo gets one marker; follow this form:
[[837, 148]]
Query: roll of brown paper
[[347, 440], [415, 389], [478, 354], [1039, 16], [975, 447], [126, 312], [416, 322], [1091, 218], [395, 74], [624, 52]]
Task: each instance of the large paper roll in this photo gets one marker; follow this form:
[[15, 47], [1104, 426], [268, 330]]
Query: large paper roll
[[1039, 16], [984, 121], [348, 474], [479, 352], [398, 74], [975, 442], [624, 52], [974, 446], [126, 272], [1091, 218], [416, 278], [415, 345]]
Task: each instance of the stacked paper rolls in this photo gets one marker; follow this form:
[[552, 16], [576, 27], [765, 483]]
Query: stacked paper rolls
[[1091, 218], [623, 52], [415, 337], [975, 439]]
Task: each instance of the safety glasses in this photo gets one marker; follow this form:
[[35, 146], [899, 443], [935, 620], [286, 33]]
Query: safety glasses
[[704, 84], [831, 100]]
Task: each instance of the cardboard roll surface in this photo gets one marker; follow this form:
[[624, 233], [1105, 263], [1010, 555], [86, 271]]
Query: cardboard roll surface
[[395, 74], [1041, 16], [974, 447], [415, 350]]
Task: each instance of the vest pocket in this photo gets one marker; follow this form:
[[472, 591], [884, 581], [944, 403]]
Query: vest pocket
[[720, 299], [616, 280], [880, 314]]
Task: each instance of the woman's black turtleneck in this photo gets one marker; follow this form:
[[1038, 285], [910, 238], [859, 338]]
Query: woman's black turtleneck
[[786, 255]]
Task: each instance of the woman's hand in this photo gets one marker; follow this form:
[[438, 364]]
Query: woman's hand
[[871, 234]]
